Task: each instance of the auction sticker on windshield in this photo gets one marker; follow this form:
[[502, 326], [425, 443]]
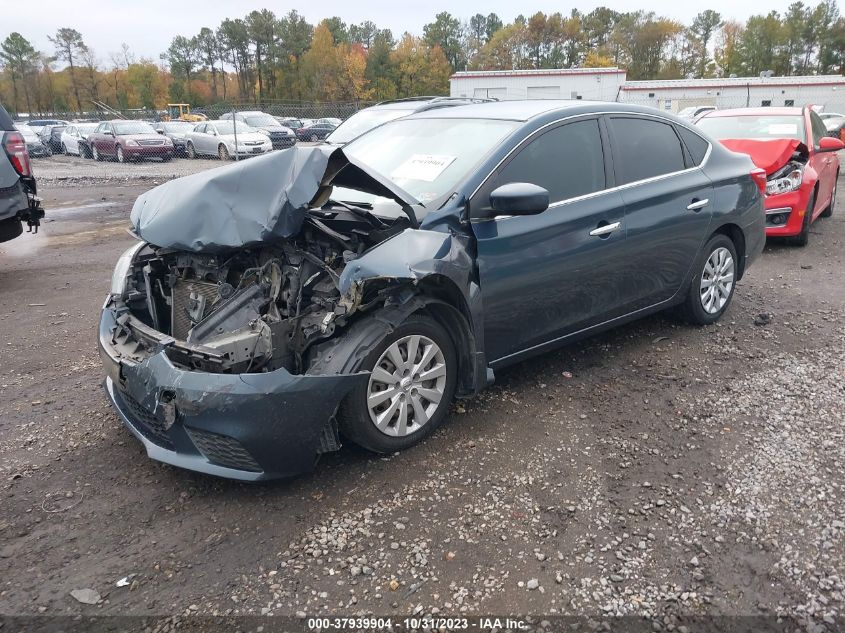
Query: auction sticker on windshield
[[425, 167]]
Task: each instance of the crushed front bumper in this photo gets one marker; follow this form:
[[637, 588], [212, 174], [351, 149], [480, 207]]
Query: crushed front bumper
[[241, 426]]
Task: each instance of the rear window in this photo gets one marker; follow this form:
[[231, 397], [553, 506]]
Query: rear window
[[644, 148], [696, 145], [759, 126]]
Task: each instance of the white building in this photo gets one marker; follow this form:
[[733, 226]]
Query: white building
[[599, 84], [827, 91], [609, 84]]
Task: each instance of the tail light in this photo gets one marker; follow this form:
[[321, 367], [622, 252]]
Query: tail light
[[15, 147], [759, 177]]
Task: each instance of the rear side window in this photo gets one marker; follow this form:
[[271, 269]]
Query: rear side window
[[644, 148], [567, 161], [696, 145]]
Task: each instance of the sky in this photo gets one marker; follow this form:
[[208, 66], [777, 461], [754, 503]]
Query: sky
[[148, 26]]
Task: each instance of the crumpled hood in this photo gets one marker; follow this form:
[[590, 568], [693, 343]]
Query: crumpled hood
[[768, 155], [258, 200]]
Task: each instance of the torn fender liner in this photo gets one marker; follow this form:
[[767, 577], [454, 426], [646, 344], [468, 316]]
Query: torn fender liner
[[768, 155], [257, 200]]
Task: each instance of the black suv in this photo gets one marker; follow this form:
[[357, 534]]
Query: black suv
[[18, 202], [379, 114]]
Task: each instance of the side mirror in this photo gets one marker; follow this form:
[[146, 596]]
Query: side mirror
[[829, 144], [160, 132], [109, 133], [519, 198]]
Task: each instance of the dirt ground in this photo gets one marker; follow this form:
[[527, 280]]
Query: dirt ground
[[658, 470]]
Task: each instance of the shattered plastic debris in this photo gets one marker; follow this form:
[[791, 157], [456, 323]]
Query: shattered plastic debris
[[125, 581]]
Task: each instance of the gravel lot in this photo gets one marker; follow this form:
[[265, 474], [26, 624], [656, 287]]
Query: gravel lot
[[658, 470]]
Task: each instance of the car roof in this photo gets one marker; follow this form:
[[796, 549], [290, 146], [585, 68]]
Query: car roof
[[524, 110], [755, 112]]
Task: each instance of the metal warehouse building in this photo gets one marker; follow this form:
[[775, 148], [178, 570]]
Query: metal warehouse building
[[738, 92], [600, 84], [609, 84]]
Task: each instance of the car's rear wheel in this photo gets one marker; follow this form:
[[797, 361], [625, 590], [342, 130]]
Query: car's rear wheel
[[413, 373], [829, 210], [223, 152], [803, 238], [96, 153], [192, 152], [712, 288]]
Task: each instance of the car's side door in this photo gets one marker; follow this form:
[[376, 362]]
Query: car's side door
[[96, 138], [198, 139], [69, 139], [821, 162], [549, 275], [668, 206]]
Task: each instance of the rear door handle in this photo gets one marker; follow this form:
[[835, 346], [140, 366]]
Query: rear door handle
[[695, 205], [605, 229]]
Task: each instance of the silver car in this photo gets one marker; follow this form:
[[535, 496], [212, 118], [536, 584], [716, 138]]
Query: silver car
[[217, 138], [73, 134]]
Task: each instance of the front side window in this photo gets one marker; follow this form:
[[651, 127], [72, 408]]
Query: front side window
[[566, 161], [819, 130], [644, 148]]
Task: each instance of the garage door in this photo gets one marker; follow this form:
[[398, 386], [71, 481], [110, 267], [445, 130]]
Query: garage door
[[543, 92], [490, 93]]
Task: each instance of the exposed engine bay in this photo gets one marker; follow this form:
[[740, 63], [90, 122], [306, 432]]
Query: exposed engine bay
[[250, 309]]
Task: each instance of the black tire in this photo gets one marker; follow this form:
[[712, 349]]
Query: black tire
[[803, 238], [166, 159], [353, 415], [10, 229], [191, 150], [692, 310], [829, 210], [223, 152], [64, 150]]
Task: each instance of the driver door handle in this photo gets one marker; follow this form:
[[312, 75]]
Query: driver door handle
[[695, 205], [605, 229]]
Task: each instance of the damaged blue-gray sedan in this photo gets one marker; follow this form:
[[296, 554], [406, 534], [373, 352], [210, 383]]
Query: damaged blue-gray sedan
[[277, 305]]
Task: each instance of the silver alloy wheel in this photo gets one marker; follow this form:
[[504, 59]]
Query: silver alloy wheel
[[95, 153], [406, 385], [119, 154], [717, 280]]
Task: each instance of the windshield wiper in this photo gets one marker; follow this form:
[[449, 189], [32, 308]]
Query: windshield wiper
[[362, 210]]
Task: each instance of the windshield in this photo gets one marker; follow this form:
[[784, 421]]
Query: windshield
[[363, 121], [428, 157], [132, 127], [760, 126], [179, 127], [261, 120], [228, 127]]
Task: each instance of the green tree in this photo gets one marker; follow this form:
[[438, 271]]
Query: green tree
[[183, 57], [70, 47], [19, 57], [704, 26], [208, 49], [446, 33]]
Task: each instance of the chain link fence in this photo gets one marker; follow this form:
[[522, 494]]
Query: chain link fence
[[182, 140], [104, 143]]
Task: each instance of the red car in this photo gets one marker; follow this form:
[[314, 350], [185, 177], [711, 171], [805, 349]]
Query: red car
[[791, 145], [129, 140]]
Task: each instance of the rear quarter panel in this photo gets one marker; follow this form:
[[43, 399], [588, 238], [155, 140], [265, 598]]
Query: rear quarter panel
[[738, 200]]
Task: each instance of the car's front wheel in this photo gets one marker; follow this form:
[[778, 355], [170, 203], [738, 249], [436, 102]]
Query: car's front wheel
[[713, 285], [413, 373], [95, 153], [191, 151]]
